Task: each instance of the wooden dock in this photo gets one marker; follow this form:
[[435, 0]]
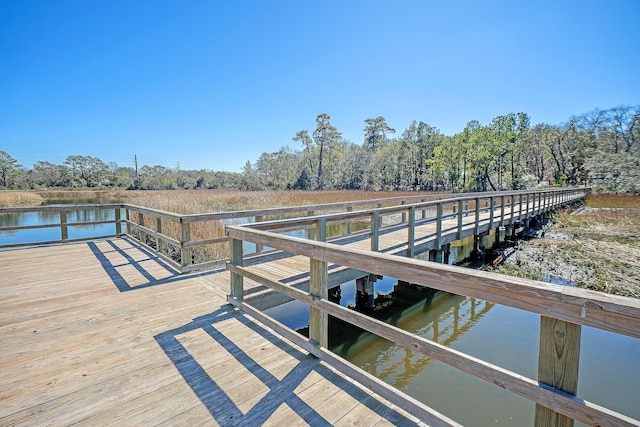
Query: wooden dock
[[102, 333]]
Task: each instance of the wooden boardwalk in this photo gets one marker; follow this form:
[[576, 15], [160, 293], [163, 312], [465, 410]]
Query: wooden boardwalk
[[101, 333]]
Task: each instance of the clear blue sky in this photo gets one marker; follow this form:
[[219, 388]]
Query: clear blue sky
[[212, 84]]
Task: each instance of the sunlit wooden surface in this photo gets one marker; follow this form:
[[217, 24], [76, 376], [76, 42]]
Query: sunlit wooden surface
[[101, 333]]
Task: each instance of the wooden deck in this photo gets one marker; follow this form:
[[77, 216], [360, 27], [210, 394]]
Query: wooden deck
[[102, 333]]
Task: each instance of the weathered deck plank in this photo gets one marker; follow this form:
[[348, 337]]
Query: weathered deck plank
[[100, 333]]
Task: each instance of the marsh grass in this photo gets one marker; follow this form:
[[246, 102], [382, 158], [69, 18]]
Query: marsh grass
[[208, 201], [19, 198], [595, 248]]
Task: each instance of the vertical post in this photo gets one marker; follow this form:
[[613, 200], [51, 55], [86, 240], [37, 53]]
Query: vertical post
[[159, 242], [502, 211], [237, 258], [64, 231], [259, 247], [424, 211], [321, 230], [127, 216], [143, 235], [311, 231], [185, 252], [118, 223], [349, 209], [375, 230], [557, 365], [533, 205], [460, 214], [318, 319], [520, 207], [404, 214], [412, 232], [491, 213], [477, 225], [438, 224]]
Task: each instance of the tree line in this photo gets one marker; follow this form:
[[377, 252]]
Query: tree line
[[599, 148]]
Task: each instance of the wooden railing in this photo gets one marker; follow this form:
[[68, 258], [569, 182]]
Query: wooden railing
[[197, 241], [58, 216], [563, 311]]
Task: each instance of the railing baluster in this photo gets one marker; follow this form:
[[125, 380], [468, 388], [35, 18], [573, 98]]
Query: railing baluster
[[411, 227], [259, 247], [375, 230], [185, 252], [64, 231], [460, 217], [237, 258]]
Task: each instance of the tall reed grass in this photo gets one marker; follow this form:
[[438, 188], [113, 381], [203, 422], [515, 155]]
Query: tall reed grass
[[208, 201], [18, 198]]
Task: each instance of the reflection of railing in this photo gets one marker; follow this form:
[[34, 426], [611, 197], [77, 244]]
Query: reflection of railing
[[562, 309], [447, 322], [198, 241]]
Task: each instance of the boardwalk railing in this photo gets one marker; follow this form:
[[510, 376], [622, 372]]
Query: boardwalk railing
[[563, 310], [197, 241]]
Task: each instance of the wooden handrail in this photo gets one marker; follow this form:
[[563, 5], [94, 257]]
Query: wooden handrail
[[559, 303]]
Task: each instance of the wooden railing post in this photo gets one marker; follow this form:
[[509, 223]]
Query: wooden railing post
[[237, 259], [412, 232], [404, 214], [476, 228], [557, 365], [318, 319], [185, 252], [375, 230], [118, 223], [64, 231], [460, 216], [159, 242], [259, 247], [321, 230], [424, 211], [502, 211], [349, 209], [143, 235], [438, 225], [491, 213]]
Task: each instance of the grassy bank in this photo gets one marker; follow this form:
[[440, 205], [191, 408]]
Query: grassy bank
[[596, 247], [19, 198]]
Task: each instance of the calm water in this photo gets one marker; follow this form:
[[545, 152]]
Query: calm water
[[54, 233], [507, 337]]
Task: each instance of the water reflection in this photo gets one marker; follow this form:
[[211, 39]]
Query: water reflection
[[74, 219]]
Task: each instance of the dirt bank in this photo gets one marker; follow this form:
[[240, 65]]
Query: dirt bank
[[594, 248]]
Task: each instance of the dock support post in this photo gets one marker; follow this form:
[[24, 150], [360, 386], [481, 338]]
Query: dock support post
[[349, 209], [237, 280], [557, 365], [318, 319], [365, 289], [440, 255]]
